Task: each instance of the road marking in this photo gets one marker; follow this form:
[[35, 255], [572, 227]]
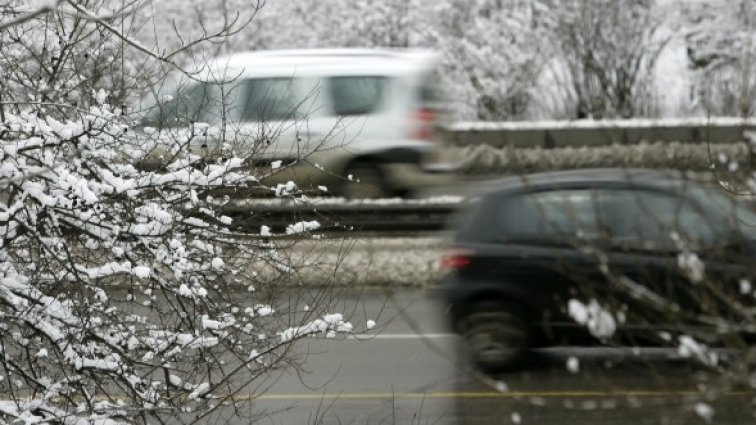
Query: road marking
[[402, 336], [481, 395]]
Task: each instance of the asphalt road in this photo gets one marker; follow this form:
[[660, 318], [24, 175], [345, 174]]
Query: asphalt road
[[410, 370]]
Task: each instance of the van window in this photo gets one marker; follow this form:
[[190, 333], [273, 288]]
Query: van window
[[190, 104], [356, 95], [268, 99]]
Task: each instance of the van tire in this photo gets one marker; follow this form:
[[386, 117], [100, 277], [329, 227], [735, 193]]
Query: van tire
[[366, 182]]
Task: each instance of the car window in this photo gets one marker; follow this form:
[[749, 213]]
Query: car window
[[556, 215], [356, 95], [621, 215], [737, 215], [189, 104], [268, 99], [642, 215]]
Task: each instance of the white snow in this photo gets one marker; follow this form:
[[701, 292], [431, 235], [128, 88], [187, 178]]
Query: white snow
[[691, 265], [212, 324], [184, 291], [516, 418], [175, 380], [573, 364], [689, 347], [703, 122], [599, 321], [217, 263], [199, 391], [745, 286], [370, 324], [704, 411], [264, 310], [302, 227], [141, 272], [285, 189]]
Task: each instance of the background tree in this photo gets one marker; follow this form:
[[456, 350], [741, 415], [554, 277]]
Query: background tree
[[721, 51], [492, 56], [607, 54]]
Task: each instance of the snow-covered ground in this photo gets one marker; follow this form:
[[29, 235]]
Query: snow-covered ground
[[488, 160], [702, 122], [356, 262]]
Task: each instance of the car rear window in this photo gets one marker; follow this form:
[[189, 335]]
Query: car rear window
[[356, 95]]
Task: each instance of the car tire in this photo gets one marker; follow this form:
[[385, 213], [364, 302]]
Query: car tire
[[496, 336], [364, 181]]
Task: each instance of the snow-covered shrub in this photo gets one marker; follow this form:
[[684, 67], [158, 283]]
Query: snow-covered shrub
[[486, 160], [119, 285]]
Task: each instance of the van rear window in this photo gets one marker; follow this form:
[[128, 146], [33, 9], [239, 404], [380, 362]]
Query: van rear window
[[356, 95], [188, 104], [269, 99]]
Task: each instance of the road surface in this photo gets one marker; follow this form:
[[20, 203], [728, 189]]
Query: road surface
[[411, 370]]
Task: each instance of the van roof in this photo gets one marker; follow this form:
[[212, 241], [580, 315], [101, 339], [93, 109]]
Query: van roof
[[318, 61]]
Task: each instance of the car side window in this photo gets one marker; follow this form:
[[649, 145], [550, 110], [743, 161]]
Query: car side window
[[654, 216], [622, 215], [268, 99], [356, 95], [556, 215]]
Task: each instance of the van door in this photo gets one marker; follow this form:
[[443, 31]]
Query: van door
[[356, 112], [183, 121], [270, 123]]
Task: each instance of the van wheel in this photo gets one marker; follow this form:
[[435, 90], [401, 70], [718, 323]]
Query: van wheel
[[364, 181], [496, 336]]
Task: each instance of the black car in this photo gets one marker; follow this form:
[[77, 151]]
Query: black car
[[606, 255]]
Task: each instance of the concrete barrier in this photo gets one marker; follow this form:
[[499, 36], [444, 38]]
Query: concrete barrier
[[551, 134]]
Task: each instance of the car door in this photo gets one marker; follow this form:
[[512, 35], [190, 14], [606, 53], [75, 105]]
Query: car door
[[665, 273], [539, 237]]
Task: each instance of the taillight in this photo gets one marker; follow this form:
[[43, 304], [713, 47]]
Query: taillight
[[457, 259], [423, 125]]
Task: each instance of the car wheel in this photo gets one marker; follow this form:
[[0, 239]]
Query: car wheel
[[364, 181], [495, 337]]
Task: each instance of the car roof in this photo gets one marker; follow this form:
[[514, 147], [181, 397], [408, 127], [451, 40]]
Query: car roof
[[592, 176], [318, 62]]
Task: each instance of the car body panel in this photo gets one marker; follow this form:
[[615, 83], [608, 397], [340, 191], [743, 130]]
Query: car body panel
[[639, 281]]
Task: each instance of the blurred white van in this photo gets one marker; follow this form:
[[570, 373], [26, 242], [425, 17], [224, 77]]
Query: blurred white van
[[358, 122]]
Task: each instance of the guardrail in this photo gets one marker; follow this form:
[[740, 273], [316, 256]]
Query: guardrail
[[381, 216], [554, 134], [335, 215]]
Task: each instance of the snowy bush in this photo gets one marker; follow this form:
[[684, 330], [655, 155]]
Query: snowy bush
[[485, 160], [119, 285]]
